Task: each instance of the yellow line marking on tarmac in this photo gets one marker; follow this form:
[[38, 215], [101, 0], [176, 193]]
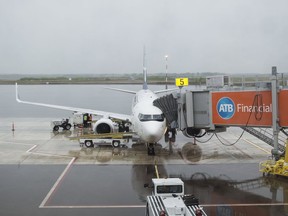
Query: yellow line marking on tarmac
[[256, 146]]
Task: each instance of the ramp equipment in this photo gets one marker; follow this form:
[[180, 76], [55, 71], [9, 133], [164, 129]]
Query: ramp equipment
[[276, 167], [114, 139], [64, 123], [168, 105], [168, 199], [217, 107], [265, 137], [214, 109]]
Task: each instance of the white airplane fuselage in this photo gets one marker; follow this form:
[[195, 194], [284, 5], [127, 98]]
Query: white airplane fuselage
[[147, 120]]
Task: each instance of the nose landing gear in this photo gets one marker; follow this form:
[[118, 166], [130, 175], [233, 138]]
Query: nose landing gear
[[151, 149]]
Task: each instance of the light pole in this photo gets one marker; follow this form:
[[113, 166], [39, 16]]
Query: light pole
[[166, 79]]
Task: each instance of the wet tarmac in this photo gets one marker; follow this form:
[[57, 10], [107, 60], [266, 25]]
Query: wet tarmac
[[43, 173]]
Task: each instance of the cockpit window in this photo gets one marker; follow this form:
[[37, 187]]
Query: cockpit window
[[147, 117], [158, 117]]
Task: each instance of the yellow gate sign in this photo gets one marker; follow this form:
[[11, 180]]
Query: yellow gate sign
[[181, 82]]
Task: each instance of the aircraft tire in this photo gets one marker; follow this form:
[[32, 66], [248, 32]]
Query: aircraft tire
[[116, 144], [89, 144], [151, 149]]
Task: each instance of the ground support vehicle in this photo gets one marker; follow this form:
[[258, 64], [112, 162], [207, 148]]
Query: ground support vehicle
[[272, 167], [64, 123], [90, 143], [114, 139], [168, 199], [276, 167]]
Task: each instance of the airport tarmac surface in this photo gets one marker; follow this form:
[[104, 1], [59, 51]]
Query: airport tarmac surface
[[46, 173]]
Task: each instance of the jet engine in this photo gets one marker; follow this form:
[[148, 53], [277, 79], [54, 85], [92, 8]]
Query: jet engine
[[105, 125], [192, 132]]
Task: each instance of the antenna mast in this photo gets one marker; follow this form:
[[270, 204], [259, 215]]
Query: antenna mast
[[166, 79]]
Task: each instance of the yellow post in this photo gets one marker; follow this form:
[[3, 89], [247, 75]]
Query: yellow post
[[156, 169], [286, 152]]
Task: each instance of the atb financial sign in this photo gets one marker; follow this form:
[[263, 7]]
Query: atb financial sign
[[251, 108]]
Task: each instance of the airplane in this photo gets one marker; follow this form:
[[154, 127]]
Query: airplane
[[146, 120]]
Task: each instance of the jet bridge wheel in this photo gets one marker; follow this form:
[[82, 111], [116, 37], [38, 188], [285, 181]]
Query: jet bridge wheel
[[116, 143], [89, 144]]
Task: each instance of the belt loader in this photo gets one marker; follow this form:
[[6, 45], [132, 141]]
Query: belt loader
[[168, 199]]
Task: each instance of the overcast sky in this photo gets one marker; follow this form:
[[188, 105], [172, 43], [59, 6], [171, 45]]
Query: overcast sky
[[107, 36]]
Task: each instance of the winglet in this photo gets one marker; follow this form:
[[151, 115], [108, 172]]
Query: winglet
[[17, 95]]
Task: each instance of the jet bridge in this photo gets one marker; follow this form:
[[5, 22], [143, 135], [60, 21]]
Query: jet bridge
[[215, 109]]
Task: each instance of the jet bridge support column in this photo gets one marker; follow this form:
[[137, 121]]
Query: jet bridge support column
[[275, 119], [181, 119]]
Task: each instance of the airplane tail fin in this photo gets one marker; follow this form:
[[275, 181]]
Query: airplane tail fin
[[145, 86]]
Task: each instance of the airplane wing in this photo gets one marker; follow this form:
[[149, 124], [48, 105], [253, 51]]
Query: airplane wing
[[134, 92], [74, 109], [121, 90]]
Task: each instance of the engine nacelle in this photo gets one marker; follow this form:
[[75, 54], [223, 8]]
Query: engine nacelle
[[192, 132], [105, 125]]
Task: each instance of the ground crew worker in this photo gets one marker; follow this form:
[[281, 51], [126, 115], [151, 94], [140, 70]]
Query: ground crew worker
[[85, 119]]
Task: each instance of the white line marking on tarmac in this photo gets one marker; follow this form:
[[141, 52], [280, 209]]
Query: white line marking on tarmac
[[245, 204], [52, 190], [30, 150], [97, 206], [45, 154], [143, 206]]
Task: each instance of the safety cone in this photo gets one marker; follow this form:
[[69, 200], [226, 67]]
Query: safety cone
[[13, 128]]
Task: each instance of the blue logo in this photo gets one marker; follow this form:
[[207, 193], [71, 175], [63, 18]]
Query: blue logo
[[226, 108]]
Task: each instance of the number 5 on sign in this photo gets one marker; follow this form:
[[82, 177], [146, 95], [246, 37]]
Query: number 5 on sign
[[181, 82]]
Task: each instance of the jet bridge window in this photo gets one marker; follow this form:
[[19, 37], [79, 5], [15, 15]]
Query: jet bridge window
[[147, 117], [169, 189]]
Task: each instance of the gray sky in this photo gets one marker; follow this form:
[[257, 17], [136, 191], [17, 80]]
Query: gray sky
[[107, 36]]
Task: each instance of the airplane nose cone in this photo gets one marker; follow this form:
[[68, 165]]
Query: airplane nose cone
[[153, 132]]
